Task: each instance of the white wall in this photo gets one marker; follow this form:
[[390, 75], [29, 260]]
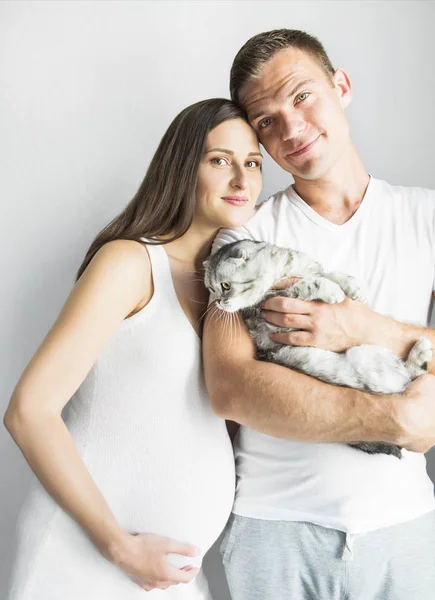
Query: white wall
[[87, 90]]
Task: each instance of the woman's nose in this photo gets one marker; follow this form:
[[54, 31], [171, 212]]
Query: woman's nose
[[239, 180]]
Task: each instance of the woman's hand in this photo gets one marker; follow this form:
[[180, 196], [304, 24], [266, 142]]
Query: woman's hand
[[144, 558]]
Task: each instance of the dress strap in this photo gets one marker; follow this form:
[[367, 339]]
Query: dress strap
[[161, 272]]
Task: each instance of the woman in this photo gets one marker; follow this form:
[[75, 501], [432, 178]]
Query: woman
[[137, 481]]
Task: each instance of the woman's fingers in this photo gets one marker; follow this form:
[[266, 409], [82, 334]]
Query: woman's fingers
[[157, 562], [183, 548], [183, 575], [159, 585]]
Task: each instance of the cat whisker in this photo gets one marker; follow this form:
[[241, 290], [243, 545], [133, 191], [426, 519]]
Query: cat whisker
[[196, 301], [237, 330], [228, 325], [230, 322], [217, 313], [239, 325], [212, 306]]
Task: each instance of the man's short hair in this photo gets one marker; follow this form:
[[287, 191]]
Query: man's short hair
[[258, 50]]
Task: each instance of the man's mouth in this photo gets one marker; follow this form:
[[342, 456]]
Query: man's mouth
[[303, 149]]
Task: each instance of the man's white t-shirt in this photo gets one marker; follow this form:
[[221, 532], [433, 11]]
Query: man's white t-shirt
[[389, 245]]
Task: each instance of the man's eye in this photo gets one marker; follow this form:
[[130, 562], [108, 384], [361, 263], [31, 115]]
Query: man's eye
[[265, 123], [225, 286], [302, 96]]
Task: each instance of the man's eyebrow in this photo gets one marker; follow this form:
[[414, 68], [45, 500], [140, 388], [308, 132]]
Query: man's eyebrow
[[300, 84], [292, 92], [226, 151]]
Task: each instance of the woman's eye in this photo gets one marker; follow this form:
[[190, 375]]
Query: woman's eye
[[265, 122], [302, 96], [251, 164], [225, 286], [220, 162]]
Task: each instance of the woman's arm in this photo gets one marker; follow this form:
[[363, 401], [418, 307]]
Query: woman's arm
[[116, 283]]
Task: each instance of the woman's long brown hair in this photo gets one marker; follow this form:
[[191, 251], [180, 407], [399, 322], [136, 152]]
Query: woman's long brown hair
[[164, 204]]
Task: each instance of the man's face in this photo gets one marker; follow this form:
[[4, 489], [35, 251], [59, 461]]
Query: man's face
[[298, 113]]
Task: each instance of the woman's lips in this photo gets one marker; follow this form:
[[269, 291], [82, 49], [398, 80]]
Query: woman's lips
[[304, 149], [235, 200]]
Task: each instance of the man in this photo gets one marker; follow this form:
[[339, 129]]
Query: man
[[314, 518]]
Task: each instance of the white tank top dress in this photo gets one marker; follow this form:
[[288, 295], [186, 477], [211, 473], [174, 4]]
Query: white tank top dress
[[144, 427]]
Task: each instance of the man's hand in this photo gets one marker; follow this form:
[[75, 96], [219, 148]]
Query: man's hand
[[416, 414], [335, 327]]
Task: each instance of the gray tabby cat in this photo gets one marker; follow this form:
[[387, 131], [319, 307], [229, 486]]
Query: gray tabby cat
[[239, 277]]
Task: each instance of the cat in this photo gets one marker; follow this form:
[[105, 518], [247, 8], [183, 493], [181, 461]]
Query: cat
[[240, 277]]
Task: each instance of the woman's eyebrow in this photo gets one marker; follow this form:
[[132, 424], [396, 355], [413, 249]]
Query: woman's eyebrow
[[226, 151], [220, 150]]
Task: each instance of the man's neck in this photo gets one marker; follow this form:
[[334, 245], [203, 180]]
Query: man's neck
[[336, 196]]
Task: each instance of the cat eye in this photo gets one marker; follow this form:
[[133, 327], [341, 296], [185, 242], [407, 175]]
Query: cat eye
[[225, 286]]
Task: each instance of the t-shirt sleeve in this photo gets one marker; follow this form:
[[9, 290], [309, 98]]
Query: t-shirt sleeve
[[227, 236]]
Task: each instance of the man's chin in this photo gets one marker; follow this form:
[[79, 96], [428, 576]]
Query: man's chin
[[312, 171]]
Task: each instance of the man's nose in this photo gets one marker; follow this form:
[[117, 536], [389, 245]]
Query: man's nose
[[292, 126]]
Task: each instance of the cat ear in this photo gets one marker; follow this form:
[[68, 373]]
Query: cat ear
[[205, 264], [240, 254]]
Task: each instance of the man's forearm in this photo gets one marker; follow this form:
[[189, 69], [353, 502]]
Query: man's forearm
[[338, 327], [398, 337], [284, 403]]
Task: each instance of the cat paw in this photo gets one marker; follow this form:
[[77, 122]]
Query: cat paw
[[333, 296], [352, 290], [421, 353], [318, 289], [348, 284]]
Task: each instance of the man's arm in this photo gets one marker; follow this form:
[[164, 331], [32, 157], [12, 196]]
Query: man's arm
[[338, 327], [284, 403]]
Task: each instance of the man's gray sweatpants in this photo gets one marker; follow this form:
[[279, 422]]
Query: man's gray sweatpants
[[287, 560]]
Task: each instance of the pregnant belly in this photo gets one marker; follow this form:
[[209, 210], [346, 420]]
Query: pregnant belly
[[183, 494]]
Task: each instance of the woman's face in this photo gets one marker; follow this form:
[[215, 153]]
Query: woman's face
[[229, 178]]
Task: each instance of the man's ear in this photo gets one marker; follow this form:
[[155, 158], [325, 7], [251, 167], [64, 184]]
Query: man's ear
[[343, 85]]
